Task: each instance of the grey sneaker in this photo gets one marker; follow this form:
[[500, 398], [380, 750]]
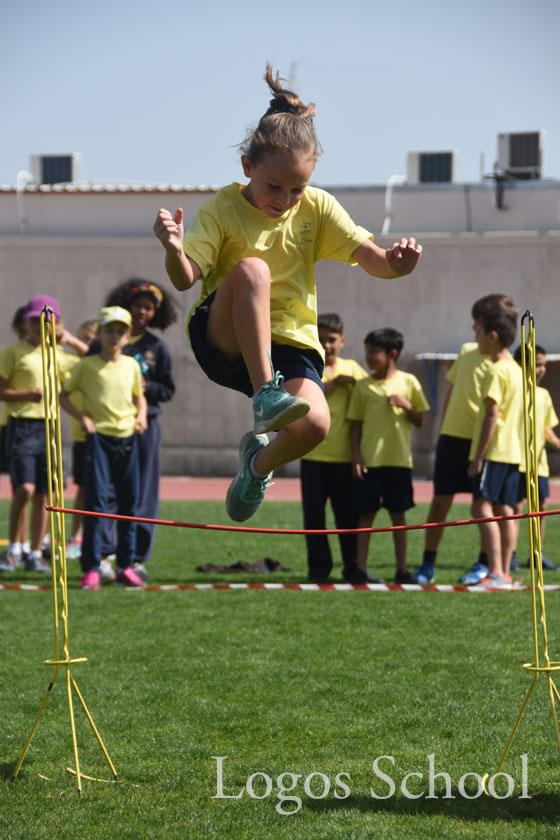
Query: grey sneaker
[[245, 493], [9, 561], [37, 564], [140, 570], [274, 408]]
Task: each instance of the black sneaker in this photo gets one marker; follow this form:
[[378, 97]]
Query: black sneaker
[[403, 576], [514, 565]]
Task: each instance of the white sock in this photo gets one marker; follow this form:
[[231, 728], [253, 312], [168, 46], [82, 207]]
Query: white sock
[[26, 547], [15, 549], [253, 470], [35, 555]]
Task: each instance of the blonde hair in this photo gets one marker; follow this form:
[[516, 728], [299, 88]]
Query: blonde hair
[[286, 126]]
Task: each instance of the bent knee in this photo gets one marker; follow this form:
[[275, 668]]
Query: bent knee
[[251, 268], [314, 429]]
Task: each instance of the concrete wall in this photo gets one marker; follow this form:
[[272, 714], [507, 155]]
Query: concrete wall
[[130, 211], [203, 424]]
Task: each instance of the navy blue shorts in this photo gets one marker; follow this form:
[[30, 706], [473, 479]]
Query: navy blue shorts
[[78, 462], [28, 453], [4, 460], [498, 483], [292, 362], [544, 487], [388, 487], [450, 467]]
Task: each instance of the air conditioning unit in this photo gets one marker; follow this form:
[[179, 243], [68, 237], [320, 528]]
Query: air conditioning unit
[[521, 155], [432, 167], [56, 169]]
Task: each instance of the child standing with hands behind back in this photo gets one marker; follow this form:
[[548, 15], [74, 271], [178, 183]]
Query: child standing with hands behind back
[[254, 247], [113, 410]]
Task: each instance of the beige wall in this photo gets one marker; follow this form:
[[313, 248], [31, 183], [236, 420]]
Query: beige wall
[[203, 424]]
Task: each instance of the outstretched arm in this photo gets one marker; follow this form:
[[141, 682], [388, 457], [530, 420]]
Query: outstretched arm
[[183, 272], [393, 262]]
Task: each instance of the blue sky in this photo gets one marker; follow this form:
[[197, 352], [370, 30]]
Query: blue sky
[[161, 93]]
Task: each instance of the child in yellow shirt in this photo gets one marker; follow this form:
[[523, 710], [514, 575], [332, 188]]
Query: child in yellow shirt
[[383, 408], [326, 471]]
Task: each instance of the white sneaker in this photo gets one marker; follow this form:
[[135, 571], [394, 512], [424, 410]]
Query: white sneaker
[[106, 571]]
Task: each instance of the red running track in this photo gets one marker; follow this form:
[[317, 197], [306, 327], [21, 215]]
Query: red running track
[[192, 488]]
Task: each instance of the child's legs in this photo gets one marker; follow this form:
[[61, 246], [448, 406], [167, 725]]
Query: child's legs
[[22, 495], [489, 533], [126, 481], [399, 539], [299, 437], [542, 519], [314, 494], [508, 535], [365, 520], [438, 511], [77, 518], [516, 524], [148, 502], [97, 480], [78, 466], [239, 319], [39, 521], [345, 517]]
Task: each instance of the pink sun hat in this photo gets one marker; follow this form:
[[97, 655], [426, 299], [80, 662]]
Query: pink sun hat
[[36, 304]]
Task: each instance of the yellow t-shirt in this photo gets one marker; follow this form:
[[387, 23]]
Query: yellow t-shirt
[[228, 228], [77, 434], [546, 418], [21, 365], [503, 383], [107, 390], [337, 446], [466, 375], [386, 429]]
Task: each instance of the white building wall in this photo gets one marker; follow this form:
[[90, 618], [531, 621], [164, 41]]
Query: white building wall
[[100, 246]]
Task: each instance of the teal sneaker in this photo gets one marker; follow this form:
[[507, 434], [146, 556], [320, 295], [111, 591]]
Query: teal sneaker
[[245, 493], [274, 408]]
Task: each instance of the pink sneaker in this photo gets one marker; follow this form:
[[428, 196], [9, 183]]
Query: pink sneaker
[[128, 577], [91, 580]]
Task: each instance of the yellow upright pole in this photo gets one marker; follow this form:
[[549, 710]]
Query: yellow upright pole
[[62, 656], [540, 635]]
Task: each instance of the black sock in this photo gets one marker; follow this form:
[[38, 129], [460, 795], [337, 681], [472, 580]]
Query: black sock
[[482, 558], [430, 557]]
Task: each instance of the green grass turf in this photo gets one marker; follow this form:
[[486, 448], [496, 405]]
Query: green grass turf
[[284, 681]]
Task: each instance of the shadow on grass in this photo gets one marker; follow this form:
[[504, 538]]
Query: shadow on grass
[[7, 769], [544, 807]]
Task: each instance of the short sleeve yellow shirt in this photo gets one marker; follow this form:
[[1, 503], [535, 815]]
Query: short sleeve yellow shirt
[[386, 429], [503, 383], [107, 390], [21, 365], [546, 418], [466, 375], [337, 446], [228, 229]]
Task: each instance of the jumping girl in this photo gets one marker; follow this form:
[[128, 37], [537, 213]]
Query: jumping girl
[[254, 247]]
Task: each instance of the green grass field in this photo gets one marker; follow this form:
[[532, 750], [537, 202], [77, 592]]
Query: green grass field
[[280, 682]]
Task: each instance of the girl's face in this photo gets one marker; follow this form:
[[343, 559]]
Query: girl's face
[[143, 310], [113, 337], [33, 331], [277, 183]]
